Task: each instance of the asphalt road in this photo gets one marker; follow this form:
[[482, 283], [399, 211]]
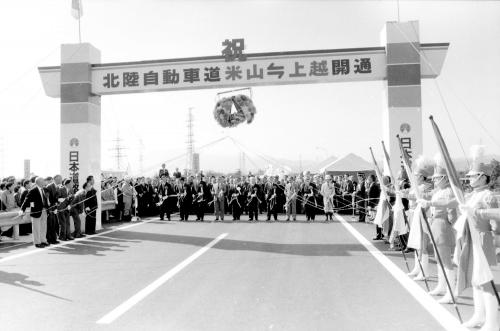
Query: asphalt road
[[260, 276]]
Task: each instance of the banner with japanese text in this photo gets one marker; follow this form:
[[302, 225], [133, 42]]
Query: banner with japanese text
[[214, 72]]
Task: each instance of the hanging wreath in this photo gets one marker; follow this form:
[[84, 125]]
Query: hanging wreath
[[245, 111]]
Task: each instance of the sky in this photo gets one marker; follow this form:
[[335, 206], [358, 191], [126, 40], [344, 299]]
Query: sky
[[297, 122]]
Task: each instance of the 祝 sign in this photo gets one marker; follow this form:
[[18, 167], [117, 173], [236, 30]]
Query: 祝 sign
[[234, 50], [254, 71]]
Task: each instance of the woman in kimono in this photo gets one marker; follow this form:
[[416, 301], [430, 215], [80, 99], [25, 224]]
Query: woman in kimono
[[328, 192]]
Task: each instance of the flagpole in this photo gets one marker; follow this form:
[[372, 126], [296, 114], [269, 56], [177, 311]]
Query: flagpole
[[396, 189], [79, 30], [413, 183]]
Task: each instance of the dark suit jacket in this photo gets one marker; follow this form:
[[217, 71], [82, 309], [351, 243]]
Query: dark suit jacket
[[34, 197], [91, 202], [77, 204], [361, 190], [23, 196], [53, 193], [373, 195], [65, 194], [161, 172]]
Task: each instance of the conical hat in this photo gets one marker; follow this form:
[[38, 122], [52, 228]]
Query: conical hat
[[479, 164], [423, 166], [439, 166]]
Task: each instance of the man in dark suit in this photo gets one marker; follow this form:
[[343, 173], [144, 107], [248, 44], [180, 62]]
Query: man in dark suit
[[202, 195], [53, 195], [361, 197], [38, 203], [373, 193], [253, 197], [76, 210], [185, 199], [166, 192], [26, 227], [141, 196], [64, 198], [163, 171], [90, 205], [177, 173]]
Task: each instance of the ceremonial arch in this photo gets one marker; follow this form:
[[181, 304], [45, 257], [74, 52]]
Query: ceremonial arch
[[81, 79]]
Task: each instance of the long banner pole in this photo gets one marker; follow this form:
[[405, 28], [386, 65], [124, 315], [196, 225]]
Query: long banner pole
[[396, 189]]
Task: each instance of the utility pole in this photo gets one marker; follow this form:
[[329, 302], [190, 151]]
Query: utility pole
[[117, 150]]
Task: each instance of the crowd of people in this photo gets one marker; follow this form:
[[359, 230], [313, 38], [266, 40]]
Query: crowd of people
[[51, 202], [269, 197]]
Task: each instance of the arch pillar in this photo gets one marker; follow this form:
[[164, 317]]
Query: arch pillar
[[80, 118]]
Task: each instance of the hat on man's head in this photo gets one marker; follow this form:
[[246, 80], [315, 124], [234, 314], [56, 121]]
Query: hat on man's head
[[479, 165]]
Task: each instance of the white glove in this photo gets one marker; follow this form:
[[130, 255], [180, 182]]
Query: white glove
[[60, 199], [69, 207], [424, 203], [20, 213], [87, 209], [466, 210]]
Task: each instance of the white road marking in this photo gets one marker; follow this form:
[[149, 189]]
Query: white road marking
[[124, 307], [64, 243], [441, 314]]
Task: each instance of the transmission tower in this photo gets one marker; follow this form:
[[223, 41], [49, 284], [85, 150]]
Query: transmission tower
[[190, 141], [117, 150]]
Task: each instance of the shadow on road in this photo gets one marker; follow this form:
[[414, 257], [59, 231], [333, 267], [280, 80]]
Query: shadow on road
[[96, 246], [23, 281], [242, 245]]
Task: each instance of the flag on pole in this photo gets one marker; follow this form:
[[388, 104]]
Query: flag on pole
[[417, 221], [76, 9], [398, 209]]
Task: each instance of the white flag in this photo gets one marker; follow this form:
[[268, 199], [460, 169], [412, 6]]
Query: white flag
[[76, 9]]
